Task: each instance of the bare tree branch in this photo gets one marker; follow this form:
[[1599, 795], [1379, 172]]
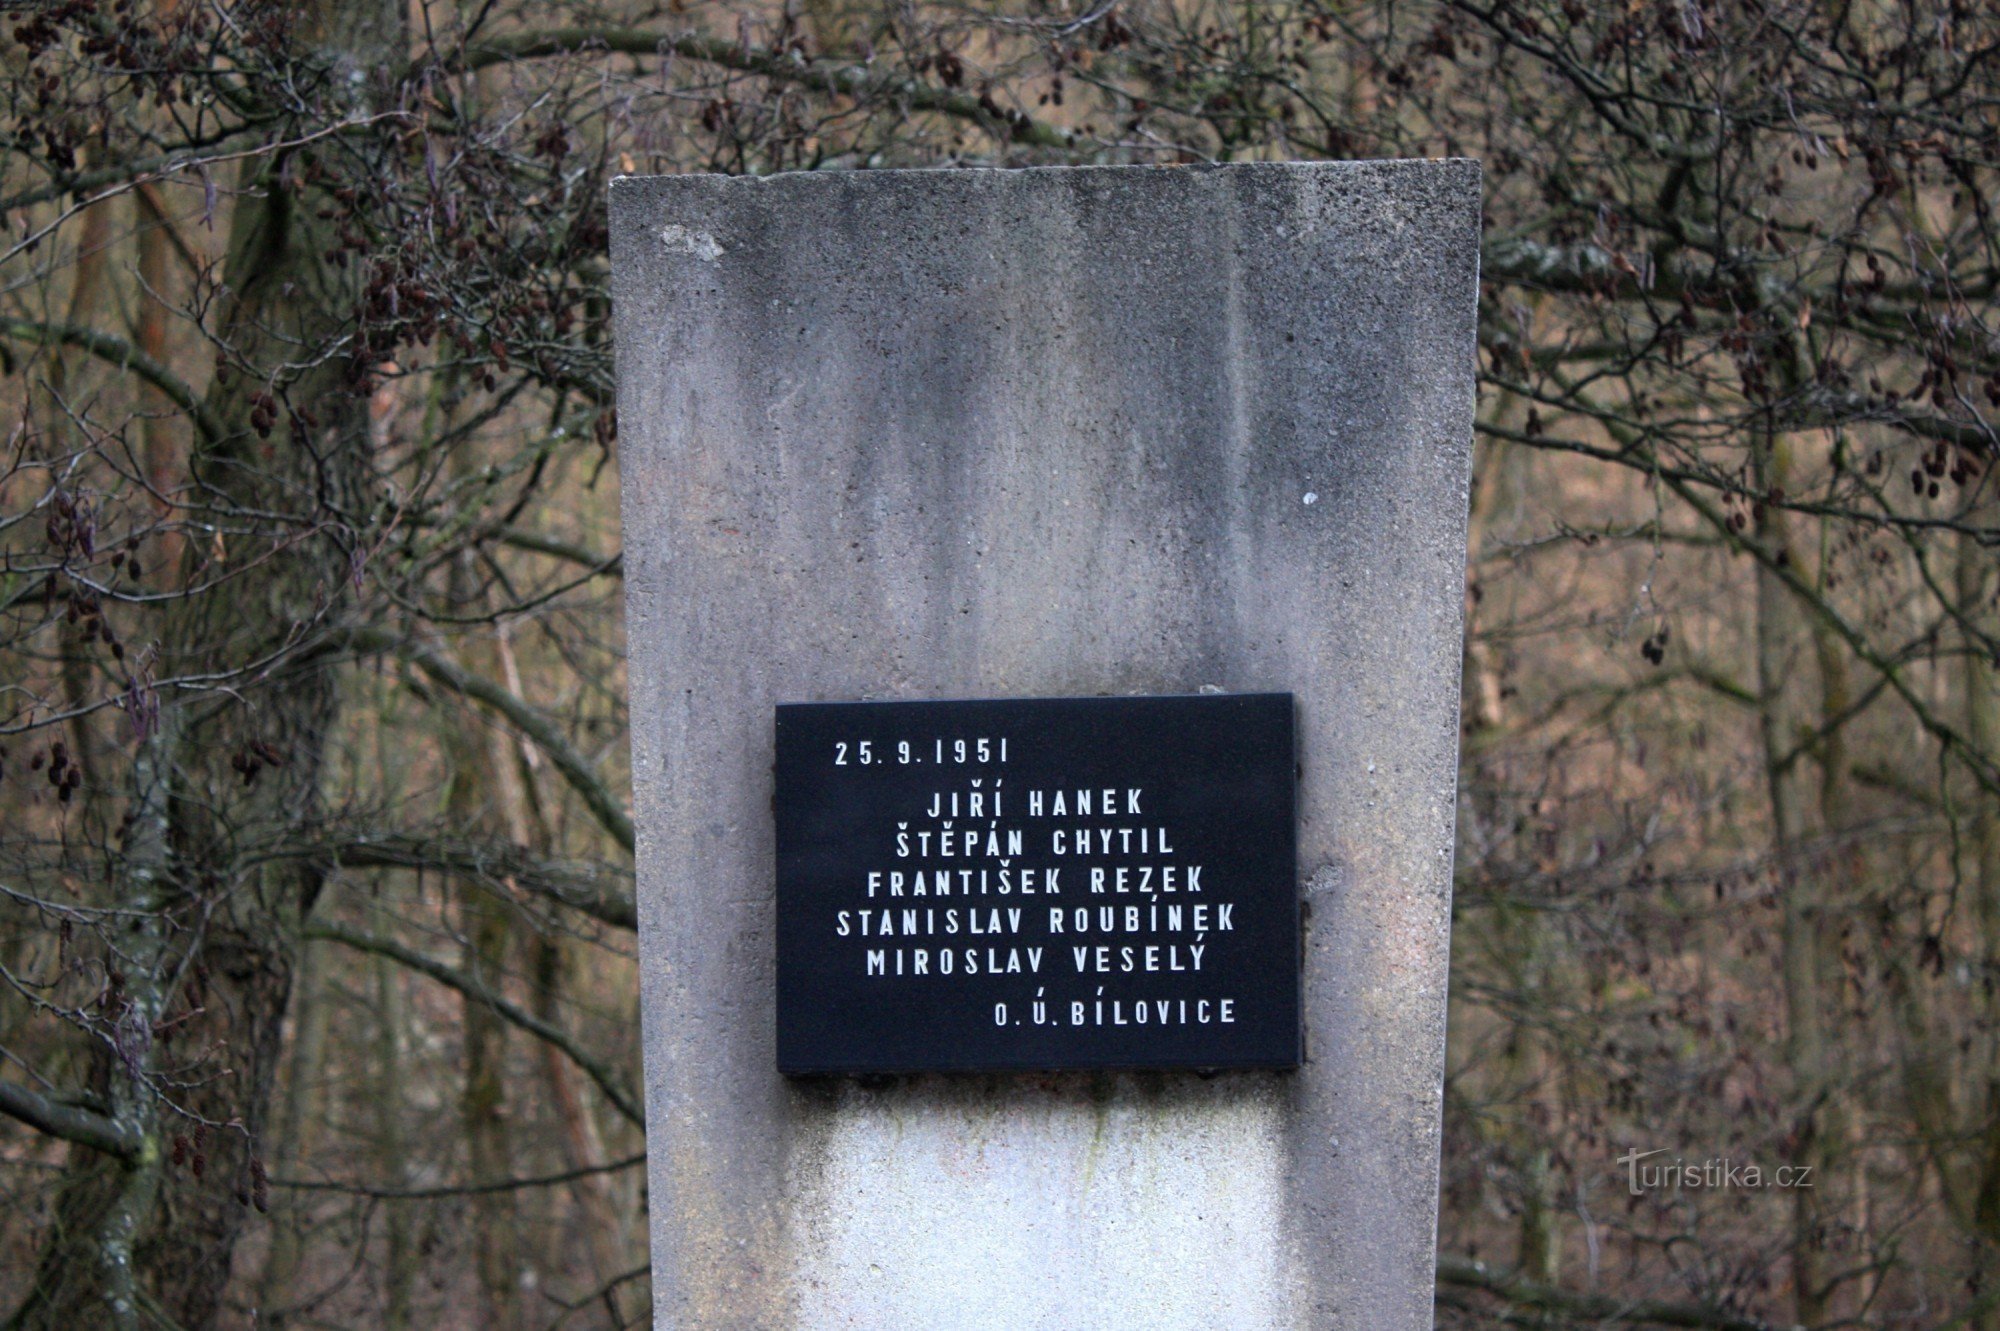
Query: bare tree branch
[[834, 77], [459, 1189], [612, 566], [575, 769], [1514, 1289], [591, 888], [621, 1099], [117, 351], [97, 1131]]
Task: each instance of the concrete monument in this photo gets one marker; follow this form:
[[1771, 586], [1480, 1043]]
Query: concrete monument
[[1065, 433]]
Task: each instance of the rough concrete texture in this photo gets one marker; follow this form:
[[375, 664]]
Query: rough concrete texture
[[990, 434]]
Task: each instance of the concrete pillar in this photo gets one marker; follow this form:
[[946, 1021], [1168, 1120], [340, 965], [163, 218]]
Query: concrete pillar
[[1043, 433]]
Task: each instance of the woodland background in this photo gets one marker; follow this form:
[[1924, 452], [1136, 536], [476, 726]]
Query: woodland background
[[317, 1005]]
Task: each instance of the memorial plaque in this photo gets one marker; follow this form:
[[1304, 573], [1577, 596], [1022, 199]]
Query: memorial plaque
[[1033, 884]]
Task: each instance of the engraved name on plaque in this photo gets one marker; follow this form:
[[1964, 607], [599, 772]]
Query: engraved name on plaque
[[1037, 884]]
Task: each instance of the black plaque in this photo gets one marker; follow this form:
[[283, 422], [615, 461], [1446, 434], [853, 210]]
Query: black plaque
[[1031, 884]]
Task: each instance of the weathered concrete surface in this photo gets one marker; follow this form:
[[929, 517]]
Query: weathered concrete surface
[[1034, 433]]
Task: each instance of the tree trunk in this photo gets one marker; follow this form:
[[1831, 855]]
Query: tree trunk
[[606, 1227], [483, 1105], [399, 1277], [61, 406], [228, 777], [1981, 682], [583, 1143], [162, 433], [482, 799], [1785, 721], [1526, 1085], [293, 1141], [89, 1272], [1846, 1197]]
